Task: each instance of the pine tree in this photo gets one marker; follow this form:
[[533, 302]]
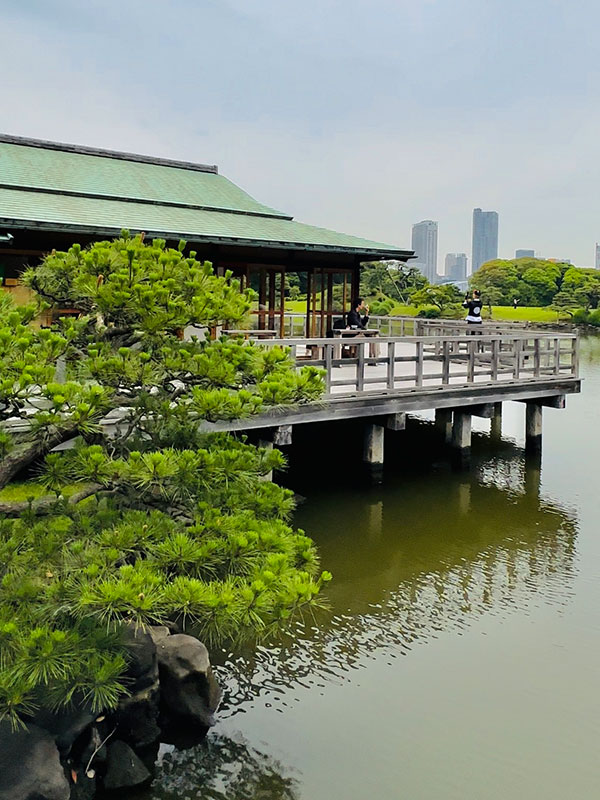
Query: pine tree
[[167, 522]]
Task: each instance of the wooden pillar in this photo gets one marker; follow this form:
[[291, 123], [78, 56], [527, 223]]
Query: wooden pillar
[[309, 280], [272, 295], [262, 299], [323, 304], [533, 427], [443, 423], [373, 452], [461, 431], [355, 284], [496, 425], [329, 300], [282, 307]]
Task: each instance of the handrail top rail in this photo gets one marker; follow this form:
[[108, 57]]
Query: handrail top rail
[[478, 337]]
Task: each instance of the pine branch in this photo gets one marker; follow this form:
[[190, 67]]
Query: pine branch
[[47, 504]]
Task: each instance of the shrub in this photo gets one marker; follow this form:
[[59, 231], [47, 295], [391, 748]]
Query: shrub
[[429, 312]]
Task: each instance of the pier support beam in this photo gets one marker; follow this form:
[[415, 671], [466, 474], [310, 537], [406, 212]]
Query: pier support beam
[[461, 438], [443, 423], [496, 426], [533, 427], [396, 422], [373, 451]]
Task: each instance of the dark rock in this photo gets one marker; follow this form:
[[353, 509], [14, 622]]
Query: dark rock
[[158, 633], [30, 767], [85, 788], [188, 687], [123, 767], [137, 717], [141, 651], [65, 726]]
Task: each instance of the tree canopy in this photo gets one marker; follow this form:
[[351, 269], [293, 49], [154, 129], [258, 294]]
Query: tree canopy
[[149, 516], [533, 281]]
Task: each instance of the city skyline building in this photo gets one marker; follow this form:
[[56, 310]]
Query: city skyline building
[[455, 267], [424, 243], [597, 258], [524, 253], [485, 237]]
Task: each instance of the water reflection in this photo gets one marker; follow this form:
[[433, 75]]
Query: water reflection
[[222, 768], [416, 557]]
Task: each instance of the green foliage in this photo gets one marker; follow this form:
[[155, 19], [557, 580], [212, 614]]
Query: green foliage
[[443, 297], [536, 282], [429, 312], [171, 521], [393, 279]]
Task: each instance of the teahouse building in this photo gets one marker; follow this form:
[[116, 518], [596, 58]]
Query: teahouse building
[[53, 194]]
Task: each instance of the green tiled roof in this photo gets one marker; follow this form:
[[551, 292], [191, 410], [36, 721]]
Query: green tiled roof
[[44, 185]]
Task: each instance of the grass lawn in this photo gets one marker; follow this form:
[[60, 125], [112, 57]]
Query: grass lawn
[[499, 313]]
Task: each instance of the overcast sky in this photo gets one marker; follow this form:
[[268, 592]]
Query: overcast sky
[[360, 115]]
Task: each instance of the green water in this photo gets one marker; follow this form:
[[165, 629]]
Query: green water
[[461, 655]]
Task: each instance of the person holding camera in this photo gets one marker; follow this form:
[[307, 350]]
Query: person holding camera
[[473, 306]]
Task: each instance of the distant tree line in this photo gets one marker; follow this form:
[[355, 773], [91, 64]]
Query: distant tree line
[[537, 282]]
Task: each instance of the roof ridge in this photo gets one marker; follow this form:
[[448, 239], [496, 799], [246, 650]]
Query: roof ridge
[[141, 201], [78, 149]]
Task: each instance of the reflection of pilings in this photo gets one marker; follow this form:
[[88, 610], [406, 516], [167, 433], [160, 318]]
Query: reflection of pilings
[[533, 474], [464, 498], [375, 519]]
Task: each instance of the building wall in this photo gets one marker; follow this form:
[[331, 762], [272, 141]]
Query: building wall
[[485, 237], [424, 243], [455, 267], [524, 253]]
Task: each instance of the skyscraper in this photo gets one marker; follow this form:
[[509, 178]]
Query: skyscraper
[[455, 267], [597, 260], [424, 243], [485, 237], [524, 253]]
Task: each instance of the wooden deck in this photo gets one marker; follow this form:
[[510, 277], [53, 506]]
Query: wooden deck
[[470, 373]]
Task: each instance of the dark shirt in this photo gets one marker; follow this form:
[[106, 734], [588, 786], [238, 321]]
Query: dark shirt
[[473, 310], [354, 318]]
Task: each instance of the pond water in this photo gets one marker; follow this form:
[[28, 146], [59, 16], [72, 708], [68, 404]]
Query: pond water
[[461, 654]]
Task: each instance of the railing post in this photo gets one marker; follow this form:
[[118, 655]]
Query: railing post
[[575, 357], [536, 357], [471, 362], [518, 344], [391, 354], [495, 359], [445, 363], [328, 348], [419, 364], [360, 366], [557, 356]]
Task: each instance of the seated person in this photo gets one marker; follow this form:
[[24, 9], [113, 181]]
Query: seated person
[[355, 319]]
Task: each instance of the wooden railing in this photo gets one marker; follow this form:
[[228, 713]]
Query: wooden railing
[[295, 325], [458, 327], [396, 364]]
